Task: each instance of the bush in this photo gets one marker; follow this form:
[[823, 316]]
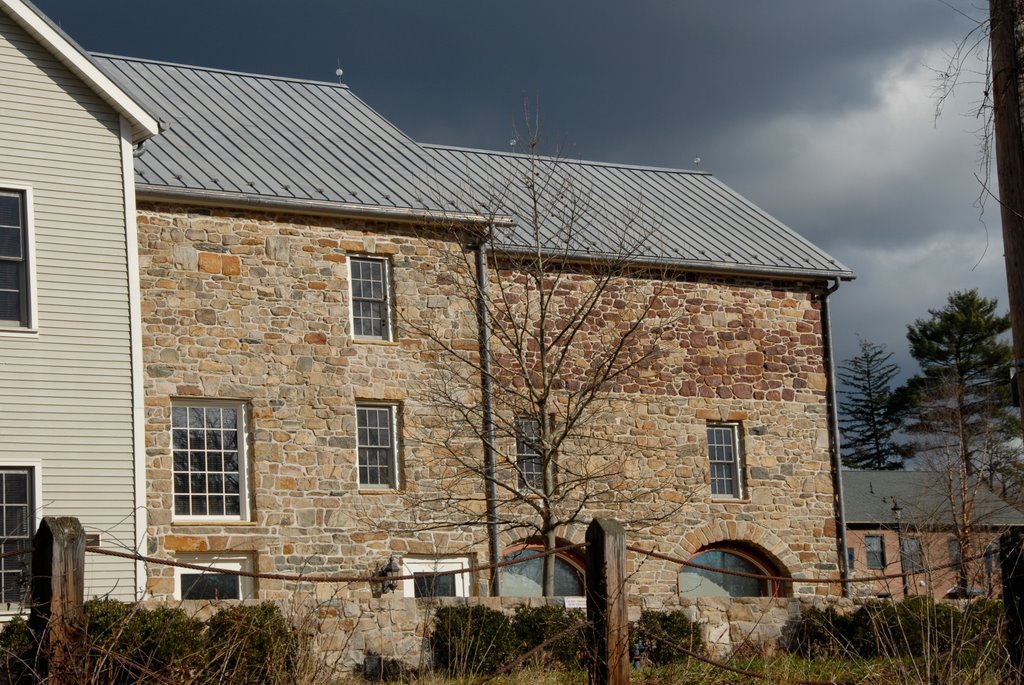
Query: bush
[[472, 640], [534, 625], [248, 644], [15, 653], [672, 626]]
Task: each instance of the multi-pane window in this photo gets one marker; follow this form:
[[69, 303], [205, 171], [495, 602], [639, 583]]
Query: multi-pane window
[[377, 446], [528, 459], [913, 557], [874, 551], [371, 310], [953, 547], [726, 460], [209, 584], [14, 295], [16, 517], [209, 460]]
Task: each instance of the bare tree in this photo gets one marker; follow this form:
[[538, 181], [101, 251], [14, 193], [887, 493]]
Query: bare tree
[[546, 432]]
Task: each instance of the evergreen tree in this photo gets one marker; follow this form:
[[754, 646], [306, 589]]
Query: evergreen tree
[[959, 404], [869, 416]]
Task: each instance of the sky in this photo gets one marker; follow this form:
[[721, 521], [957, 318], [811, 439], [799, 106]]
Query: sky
[[822, 113]]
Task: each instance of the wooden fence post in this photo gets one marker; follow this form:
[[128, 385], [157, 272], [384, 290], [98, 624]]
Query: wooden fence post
[[1011, 562], [58, 591], [606, 603]]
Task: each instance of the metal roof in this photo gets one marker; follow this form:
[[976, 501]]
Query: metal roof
[[229, 134], [924, 497], [249, 139], [665, 216]]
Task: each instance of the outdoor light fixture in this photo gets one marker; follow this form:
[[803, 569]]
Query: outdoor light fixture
[[386, 572]]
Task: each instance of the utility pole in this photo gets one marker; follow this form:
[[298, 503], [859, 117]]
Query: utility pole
[[1006, 19]]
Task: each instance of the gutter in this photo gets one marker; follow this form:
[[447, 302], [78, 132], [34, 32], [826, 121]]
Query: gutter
[[230, 200], [487, 398], [836, 459]]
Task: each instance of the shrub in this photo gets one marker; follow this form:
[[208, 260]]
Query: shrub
[[15, 653], [534, 625], [472, 640], [672, 626], [249, 644]]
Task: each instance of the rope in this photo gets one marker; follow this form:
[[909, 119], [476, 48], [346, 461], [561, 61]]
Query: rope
[[324, 578], [17, 552], [735, 669], [791, 579]]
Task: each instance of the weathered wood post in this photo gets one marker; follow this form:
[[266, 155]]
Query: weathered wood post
[[606, 603], [58, 591], [1011, 562]]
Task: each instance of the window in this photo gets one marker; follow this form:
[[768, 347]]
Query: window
[[17, 513], [527, 579], [874, 551], [698, 582], [954, 551], [194, 584], [851, 558], [913, 559], [726, 460], [15, 267], [425, 585], [371, 309], [208, 441], [378, 450], [528, 461]]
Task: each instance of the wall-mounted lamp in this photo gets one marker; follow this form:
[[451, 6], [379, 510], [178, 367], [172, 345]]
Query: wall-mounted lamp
[[386, 573]]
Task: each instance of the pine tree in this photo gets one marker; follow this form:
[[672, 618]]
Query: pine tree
[[869, 417], [959, 404]]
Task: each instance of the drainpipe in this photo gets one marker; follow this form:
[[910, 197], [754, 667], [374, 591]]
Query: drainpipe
[[833, 420], [486, 392]]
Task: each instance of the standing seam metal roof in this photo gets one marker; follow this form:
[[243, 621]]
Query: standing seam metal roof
[[267, 139]]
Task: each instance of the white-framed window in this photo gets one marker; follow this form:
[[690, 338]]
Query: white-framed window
[[371, 298], [377, 446], [701, 582], [726, 460], [209, 585], [208, 441], [19, 497], [912, 554], [528, 459], [426, 585], [526, 579], [17, 258]]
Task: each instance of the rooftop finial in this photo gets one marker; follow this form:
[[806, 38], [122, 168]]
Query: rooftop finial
[[339, 71]]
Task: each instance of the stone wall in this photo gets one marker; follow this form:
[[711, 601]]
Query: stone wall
[[256, 308]]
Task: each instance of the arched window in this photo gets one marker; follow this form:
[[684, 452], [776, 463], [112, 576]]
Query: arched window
[[527, 579], [697, 582]]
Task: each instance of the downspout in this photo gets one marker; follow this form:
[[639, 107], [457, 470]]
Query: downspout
[[486, 391], [833, 420]]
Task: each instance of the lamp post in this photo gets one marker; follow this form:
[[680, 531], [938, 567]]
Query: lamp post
[[897, 513]]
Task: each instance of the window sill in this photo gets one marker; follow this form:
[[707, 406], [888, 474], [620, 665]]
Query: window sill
[[213, 522], [379, 491], [374, 341], [730, 500], [18, 332]]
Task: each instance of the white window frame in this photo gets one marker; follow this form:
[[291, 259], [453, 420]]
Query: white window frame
[[413, 565], [738, 463], [217, 560], [396, 481], [388, 321], [32, 306], [881, 553], [35, 469], [242, 428]]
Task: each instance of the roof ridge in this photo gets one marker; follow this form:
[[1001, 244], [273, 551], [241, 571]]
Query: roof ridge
[[586, 162], [232, 72]]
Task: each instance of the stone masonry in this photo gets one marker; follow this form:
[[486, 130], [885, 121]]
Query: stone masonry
[[255, 308]]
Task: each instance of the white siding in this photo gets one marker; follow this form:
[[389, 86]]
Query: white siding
[[66, 393]]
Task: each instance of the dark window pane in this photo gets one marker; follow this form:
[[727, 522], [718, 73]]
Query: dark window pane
[[179, 417], [210, 586], [10, 275], [229, 417], [10, 306], [216, 506], [10, 243], [196, 417], [433, 586], [197, 439], [181, 461], [181, 482], [232, 505], [182, 505], [10, 209], [198, 483], [199, 505]]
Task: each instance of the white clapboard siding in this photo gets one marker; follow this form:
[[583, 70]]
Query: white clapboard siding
[[66, 394]]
